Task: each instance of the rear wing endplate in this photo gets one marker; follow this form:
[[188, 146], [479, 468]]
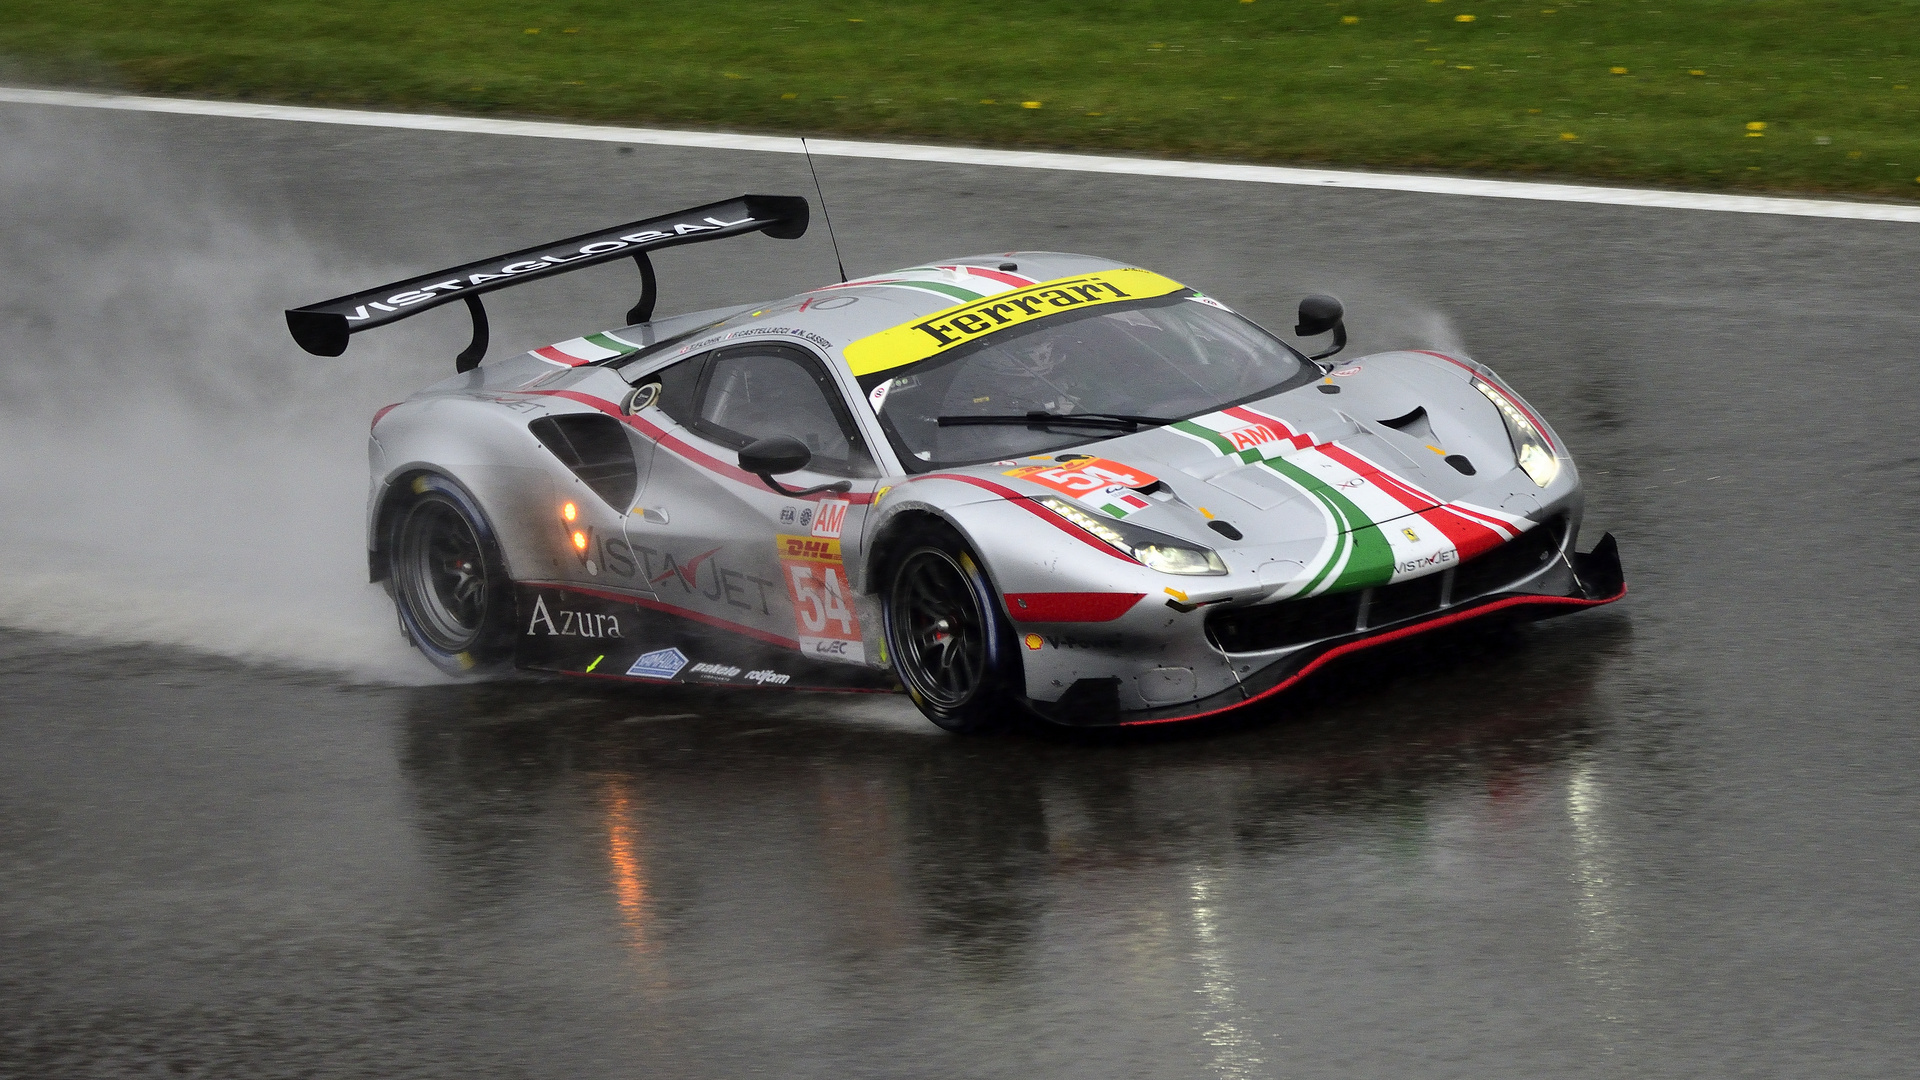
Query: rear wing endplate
[[322, 329]]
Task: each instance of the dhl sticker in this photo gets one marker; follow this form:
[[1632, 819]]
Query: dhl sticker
[[820, 548]]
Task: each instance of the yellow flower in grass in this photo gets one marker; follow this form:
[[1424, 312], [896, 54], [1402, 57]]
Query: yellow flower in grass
[[1029, 104], [1568, 136], [1463, 18], [1349, 19], [1616, 71], [1756, 129]]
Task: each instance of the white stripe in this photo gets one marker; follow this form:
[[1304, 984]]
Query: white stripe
[[582, 349], [1015, 159]]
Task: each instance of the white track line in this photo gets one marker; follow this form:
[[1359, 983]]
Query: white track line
[[1016, 159]]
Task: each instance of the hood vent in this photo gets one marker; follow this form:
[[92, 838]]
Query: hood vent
[[1414, 424]]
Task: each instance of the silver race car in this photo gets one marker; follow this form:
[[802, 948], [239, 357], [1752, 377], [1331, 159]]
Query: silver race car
[[1030, 481]]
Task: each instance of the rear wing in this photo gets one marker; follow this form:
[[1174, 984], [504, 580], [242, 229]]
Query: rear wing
[[322, 329]]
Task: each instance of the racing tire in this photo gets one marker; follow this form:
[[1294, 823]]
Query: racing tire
[[449, 583], [952, 646]]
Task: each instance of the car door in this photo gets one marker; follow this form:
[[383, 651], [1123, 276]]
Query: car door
[[718, 542]]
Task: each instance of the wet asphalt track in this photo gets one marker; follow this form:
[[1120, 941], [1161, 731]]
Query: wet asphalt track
[[1675, 837]]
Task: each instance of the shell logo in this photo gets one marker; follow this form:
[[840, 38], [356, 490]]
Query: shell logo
[[1034, 641]]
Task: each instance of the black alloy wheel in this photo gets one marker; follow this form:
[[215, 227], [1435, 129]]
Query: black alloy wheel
[[951, 646], [449, 588]]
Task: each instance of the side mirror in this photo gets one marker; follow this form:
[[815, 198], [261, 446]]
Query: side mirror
[[1319, 314], [776, 454]]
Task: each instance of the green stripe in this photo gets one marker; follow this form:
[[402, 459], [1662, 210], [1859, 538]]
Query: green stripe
[[613, 343], [942, 287], [1372, 560], [1218, 440]]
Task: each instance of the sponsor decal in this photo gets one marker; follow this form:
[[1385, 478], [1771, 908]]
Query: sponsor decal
[[877, 397], [823, 615], [787, 514], [459, 284], [1410, 535], [560, 622], [1210, 302], [1096, 482], [1345, 371], [704, 574], [659, 664], [806, 516], [714, 671], [1035, 641], [970, 321], [1241, 432], [834, 648], [766, 677], [830, 517], [1423, 564]]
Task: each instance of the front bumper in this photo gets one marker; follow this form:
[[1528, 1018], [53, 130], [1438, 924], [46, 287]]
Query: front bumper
[[1571, 582]]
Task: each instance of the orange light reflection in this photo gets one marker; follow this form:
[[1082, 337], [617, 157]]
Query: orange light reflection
[[629, 874]]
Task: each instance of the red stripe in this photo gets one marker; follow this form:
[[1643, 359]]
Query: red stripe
[[558, 357], [1468, 537], [1511, 397], [1070, 606], [1505, 528], [1000, 276], [1038, 511], [1401, 492], [1241, 412], [1394, 635], [685, 613], [383, 412], [692, 453]]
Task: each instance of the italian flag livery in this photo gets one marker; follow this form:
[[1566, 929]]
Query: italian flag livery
[[956, 283], [1381, 528], [586, 350]]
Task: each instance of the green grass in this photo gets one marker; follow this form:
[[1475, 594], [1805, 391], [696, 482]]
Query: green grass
[[1664, 92]]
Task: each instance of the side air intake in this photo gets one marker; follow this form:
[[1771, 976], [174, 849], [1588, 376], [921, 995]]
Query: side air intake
[[595, 447]]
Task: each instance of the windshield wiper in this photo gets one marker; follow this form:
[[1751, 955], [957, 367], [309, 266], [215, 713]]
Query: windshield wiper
[[1104, 421]]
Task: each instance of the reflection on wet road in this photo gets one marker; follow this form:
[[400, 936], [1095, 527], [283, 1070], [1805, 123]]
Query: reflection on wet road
[[1675, 837]]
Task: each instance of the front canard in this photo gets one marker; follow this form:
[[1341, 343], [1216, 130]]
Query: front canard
[[915, 341]]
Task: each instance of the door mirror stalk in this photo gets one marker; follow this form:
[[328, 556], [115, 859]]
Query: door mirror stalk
[[783, 454]]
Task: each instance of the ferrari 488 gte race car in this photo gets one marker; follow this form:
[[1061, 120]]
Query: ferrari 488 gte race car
[[1029, 481]]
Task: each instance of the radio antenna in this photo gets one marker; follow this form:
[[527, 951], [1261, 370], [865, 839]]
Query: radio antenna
[[823, 210]]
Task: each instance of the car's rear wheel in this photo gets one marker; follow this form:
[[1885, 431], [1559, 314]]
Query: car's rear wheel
[[952, 647], [450, 585]]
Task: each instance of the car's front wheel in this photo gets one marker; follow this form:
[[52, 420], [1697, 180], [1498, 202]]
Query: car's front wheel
[[951, 646], [449, 583]]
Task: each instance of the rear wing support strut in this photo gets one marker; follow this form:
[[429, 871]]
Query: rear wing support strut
[[323, 329]]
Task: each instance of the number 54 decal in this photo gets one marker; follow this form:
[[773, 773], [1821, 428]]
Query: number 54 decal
[[1094, 482], [826, 624]]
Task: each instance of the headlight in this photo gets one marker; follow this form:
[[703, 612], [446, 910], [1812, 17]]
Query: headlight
[[1157, 551], [1531, 450]]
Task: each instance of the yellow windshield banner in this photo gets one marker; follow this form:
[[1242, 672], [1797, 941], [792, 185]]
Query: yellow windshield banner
[[975, 319]]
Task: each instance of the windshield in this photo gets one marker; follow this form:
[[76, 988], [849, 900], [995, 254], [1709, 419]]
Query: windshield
[[1168, 358]]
